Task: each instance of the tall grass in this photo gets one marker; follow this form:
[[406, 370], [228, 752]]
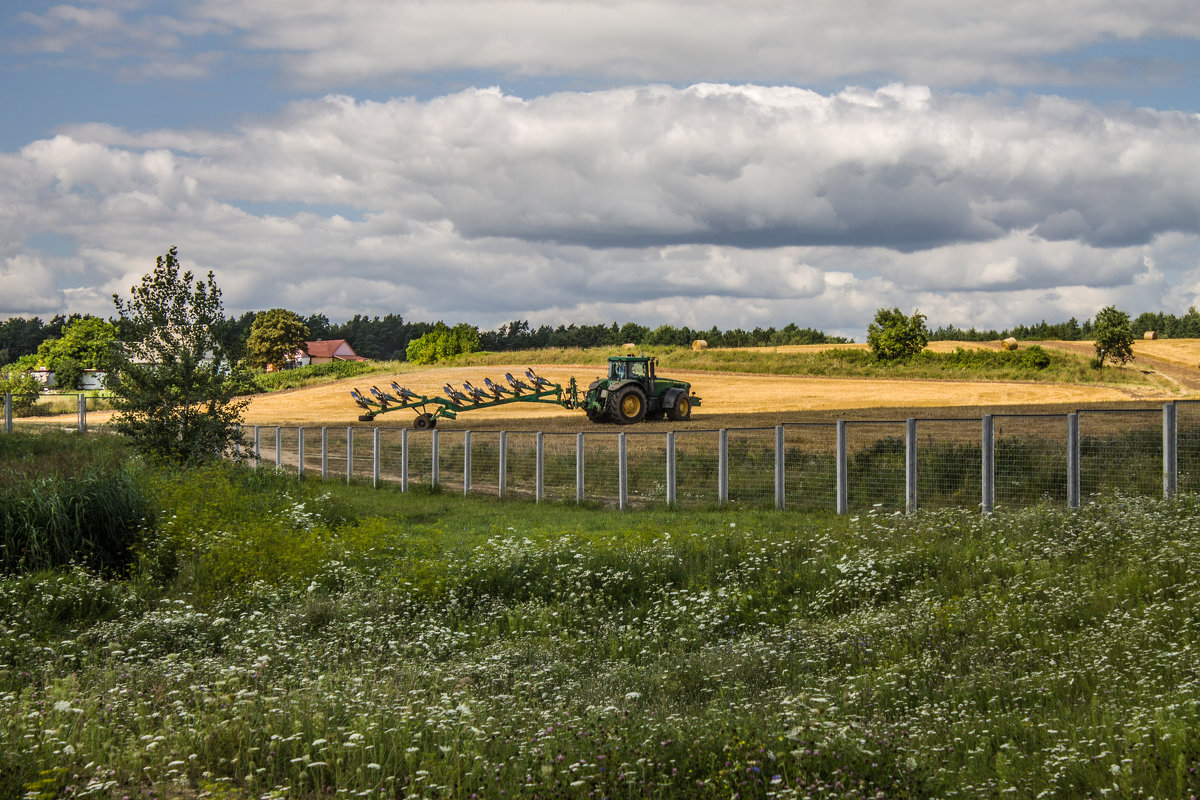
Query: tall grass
[[68, 500]]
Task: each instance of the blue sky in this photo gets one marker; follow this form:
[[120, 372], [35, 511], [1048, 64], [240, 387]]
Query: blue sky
[[658, 161]]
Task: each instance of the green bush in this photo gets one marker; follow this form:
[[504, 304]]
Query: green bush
[[313, 373], [94, 519]]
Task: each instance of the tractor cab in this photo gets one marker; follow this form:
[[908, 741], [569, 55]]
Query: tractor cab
[[622, 368]]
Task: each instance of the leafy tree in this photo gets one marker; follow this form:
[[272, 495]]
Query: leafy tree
[[173, 385], [443, 343], [1114, 336], [85, 343], [896, 337], [23, 387], [275, 337]]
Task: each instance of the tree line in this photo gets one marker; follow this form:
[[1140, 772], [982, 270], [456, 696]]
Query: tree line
[[1168, 326]]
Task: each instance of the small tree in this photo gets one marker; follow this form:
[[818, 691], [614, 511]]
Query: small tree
[[443, 343], [1114, 336], [86, 343], [275, 337], [23, 387], [896, 337], [173, 386]]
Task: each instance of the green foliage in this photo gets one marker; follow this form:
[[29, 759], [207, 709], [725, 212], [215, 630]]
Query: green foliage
[[1114, 336], [172, 382], [893, 336], [313, 373], [24, 389], [443, 343], [275, 338]]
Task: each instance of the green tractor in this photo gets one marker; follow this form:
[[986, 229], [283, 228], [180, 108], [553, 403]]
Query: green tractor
[[632, 393]]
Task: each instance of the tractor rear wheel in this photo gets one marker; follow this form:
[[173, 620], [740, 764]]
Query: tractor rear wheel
[[682, 409], [627, 405]]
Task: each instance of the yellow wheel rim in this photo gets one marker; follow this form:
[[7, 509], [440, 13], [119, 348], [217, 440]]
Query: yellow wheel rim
[[631, 404], [681, 407]]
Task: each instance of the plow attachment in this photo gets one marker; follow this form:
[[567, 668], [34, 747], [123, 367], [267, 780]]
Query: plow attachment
[[430, 409]]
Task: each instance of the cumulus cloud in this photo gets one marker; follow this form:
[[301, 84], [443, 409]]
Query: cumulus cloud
[[755, 205], [29, 288]]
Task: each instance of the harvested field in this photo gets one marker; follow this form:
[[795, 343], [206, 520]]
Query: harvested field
[[729, 400]]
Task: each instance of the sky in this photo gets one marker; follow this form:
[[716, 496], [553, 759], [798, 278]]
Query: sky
[[689, 162]]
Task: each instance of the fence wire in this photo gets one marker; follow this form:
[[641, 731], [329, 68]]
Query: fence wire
[[752, 466], [485, 463], [646, 456], [696, 468], [600, 469], [1031, 459], [1120, 451], [810, 465], [558, 467], [1188, 437], [949, 463], [875, 465], [522, 464]]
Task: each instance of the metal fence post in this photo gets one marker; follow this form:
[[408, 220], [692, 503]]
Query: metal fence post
[[82, 412], [539, 470], [988, 449], [466, 462], [257, 447], [404, 459], [375, 458], [1073, 491], [1170, 450], [671, 487], [723, 466], [779, 467], [349, 454], [910, 465], [324, 453], [579, 468], [278, 447], [8, 412], [622, 473], [300, 452], [503, 481], [435, 456], [843, 472]]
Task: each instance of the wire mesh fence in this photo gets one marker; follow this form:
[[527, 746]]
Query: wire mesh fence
[[810, 465], [1120, 451], [891, 465], [1031, 459], [949, 456], [1188, 422], [875, 465]]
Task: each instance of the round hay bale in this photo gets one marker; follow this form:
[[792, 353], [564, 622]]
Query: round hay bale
[[630, 346], [699, 344], [1008, 344], [1150, 335]]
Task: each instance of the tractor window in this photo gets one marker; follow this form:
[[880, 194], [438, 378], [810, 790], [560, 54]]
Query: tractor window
[[616, 370], [637, 369]]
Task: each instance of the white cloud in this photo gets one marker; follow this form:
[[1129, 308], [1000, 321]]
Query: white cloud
[[29, 288], [753, 205]]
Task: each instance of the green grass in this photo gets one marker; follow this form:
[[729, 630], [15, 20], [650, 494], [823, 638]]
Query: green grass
[[284, 639], [315, 374], [1028, 364]]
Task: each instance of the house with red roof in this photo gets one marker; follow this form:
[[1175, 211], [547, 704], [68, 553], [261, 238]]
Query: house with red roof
[[324, 352]]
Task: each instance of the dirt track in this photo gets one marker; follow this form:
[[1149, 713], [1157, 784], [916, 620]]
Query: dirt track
[[731, 400]]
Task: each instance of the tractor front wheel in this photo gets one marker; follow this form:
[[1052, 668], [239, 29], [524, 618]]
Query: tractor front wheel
[[627, 405], [682, 409]]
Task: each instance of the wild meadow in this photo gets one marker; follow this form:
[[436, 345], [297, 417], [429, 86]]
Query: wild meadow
[[272, 638]]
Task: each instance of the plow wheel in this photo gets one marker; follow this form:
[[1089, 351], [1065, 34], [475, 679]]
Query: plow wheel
[[627, 405], [682, 409], [424, 422]]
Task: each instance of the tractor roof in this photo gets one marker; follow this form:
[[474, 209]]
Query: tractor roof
[[631, 358]]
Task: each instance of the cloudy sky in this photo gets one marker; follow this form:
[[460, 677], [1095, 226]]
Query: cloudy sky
[[684, 161]]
